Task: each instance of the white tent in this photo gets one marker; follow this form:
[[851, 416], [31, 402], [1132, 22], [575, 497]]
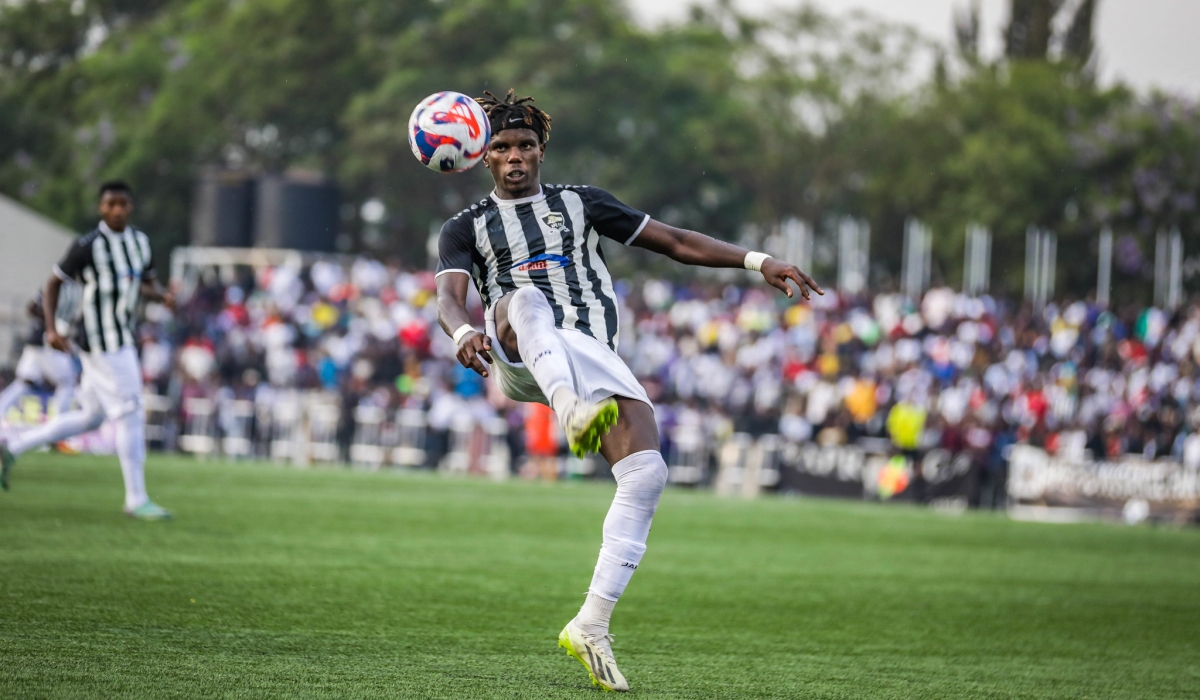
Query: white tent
[[30, 244]]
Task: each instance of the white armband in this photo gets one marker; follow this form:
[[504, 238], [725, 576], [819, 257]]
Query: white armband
[[462, 332], [754, 260]]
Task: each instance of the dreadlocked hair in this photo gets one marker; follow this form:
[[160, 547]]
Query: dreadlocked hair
[[515, 113]]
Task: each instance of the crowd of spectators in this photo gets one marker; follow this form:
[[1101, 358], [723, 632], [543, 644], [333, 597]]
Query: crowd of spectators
[[966, 374]]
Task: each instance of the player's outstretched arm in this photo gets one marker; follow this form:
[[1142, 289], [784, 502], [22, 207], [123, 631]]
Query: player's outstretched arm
[[452, 315], [692, 248]]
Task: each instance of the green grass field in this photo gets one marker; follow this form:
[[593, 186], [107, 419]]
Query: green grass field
[[276, 582]]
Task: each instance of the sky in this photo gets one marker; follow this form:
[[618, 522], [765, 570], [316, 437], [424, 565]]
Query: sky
[[1146, 43]]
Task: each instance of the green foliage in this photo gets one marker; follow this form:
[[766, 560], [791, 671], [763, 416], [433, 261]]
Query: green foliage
[[993, 149]]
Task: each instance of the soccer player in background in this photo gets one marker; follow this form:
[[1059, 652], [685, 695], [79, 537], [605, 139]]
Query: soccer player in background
[[533, 253], [40, 365], [114, 264]]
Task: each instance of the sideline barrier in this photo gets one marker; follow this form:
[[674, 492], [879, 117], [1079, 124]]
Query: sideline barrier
[[303, 427], [1134, 489], [198, 427], [688, 456], [367, 449], [160, 424], [236, 420]]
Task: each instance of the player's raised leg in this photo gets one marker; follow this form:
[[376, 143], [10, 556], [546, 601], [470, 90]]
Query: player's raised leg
[[61, 427], [526, 327]]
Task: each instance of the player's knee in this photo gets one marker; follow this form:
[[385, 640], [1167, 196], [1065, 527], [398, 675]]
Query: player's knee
[[644, 477], [527, 300], [528, 295], [656, 478], [94, 420]]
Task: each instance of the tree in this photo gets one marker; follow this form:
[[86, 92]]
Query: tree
[[1031, 34]]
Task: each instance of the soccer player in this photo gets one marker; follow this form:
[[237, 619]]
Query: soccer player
[[533, 253], [43, 365], [114, 264]]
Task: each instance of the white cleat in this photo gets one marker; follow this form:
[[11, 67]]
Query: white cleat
[[586, 423], [595, 653]]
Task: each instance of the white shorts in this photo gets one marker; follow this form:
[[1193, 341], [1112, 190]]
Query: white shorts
[[599, 372], [111, 380], [45, 364]]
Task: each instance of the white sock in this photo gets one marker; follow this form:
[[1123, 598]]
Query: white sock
[[13, 393], [563, 401], [595, 614], [640, 480], [131, 450], [61, 427], [541, 348]]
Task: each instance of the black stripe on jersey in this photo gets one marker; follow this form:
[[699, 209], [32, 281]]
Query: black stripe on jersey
[[121, 306], [554, 201], [610, 306], [479, 273], [103, 297], [479, 266], [501, 249], [536, 240]]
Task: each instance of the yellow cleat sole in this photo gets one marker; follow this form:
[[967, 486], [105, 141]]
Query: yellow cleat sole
[[564, 641], [589, 440]]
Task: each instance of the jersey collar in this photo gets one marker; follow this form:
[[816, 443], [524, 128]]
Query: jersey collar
[[514, 202], [109, 232]]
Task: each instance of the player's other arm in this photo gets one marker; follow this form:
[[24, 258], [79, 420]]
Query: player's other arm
[[692, 248], [49, 309], [78, 256], [455, 245], [452, 316]]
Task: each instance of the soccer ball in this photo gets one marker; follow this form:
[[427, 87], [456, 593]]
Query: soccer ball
[[449, 132]]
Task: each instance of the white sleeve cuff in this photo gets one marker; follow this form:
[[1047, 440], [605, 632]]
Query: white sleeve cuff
[[453, 269], [639, 230], [60, 274]]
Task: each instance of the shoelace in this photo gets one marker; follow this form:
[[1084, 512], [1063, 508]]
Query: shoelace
[[595, 640]]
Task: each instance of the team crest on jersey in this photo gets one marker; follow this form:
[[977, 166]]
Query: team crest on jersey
[[557, 223]]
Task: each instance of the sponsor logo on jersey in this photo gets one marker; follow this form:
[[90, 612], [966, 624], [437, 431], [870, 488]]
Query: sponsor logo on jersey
[[545, 261]]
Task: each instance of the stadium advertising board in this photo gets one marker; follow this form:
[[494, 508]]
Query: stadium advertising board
[[1042, 487], [868, 470]]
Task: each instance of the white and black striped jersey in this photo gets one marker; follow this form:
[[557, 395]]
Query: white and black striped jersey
[[111, 267], [551, 241]]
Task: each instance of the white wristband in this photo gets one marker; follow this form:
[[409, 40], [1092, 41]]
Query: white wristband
[[754, 260], [462, 332]]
